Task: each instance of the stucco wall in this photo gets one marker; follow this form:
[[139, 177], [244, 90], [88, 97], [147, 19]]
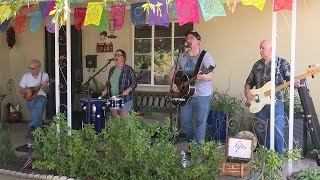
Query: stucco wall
[[4, 69], [232, 40]]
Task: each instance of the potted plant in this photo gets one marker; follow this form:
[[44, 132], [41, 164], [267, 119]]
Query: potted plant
[[222, 107]]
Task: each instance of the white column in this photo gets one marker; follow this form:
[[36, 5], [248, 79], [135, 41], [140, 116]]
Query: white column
[[69, 103], [56, 65], [273, 68], [292, 76]]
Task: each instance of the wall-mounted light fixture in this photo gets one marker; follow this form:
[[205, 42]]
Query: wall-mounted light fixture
[[103, 35], [111, 28]]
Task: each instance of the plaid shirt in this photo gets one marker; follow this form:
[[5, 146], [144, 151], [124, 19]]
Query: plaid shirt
[[127, 79], [261, 74]]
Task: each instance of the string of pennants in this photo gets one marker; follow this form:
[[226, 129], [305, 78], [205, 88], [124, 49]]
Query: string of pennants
[[186, 11]]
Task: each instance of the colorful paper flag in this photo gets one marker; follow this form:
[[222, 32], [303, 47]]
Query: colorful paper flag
[[79, 15], [93, 15], [49, 25], [20, 23], [44, 7], [187, 11], [161, 15], [138, 15], [5, 13], [4, 25], [257, 3], [103, 22], [24, 10], [211, 8], [174, 10], [118, 13], [35, 21], [282, 5]]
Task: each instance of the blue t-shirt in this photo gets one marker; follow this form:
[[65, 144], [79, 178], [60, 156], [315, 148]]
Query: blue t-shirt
[[187, 64]]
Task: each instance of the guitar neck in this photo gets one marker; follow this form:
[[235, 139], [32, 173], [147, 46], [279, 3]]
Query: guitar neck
[[190, 81], [284, 85]]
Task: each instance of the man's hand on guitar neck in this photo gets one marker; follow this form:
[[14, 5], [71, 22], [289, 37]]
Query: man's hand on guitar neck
[[205, 77]]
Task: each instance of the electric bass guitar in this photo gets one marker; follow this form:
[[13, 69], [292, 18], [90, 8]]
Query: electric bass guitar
[[32, 92], [185, 89], [262, 96]]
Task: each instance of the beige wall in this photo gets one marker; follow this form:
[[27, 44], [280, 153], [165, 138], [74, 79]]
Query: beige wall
[[234, 43], [4, 69], [232, 40]]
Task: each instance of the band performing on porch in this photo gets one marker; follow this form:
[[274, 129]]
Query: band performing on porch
[[191, 94]]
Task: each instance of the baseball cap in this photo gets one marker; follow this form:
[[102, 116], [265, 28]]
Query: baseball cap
[[194, 33]]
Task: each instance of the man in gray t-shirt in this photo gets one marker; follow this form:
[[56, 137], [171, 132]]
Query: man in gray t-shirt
[[198, 105]]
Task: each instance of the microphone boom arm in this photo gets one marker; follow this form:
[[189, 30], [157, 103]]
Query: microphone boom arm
[[88, 81]]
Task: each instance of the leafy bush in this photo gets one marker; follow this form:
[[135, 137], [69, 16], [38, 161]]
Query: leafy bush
[[271, 162], [6, 147], [222, 101], [126, 149], [211, 157], [309, 174]]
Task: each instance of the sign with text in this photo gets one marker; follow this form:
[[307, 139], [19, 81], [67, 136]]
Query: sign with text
[[239, 148]]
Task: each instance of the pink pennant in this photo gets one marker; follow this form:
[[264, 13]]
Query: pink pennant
[[79, 15], [20, 23], [24, 10], [51, 6], [118, 13], [282, 5], [187, 11]]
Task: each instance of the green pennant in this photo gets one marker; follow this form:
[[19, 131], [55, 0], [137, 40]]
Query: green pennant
[[103, 22]]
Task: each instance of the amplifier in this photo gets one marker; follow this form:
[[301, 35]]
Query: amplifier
[[299, 133]]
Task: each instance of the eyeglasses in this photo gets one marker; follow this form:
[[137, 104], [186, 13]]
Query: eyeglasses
[[117, 55], [32, 68]]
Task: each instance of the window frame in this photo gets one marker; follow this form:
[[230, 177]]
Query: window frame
[[153, 52]]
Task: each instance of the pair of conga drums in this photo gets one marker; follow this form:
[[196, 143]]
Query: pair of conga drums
[[94, 110]]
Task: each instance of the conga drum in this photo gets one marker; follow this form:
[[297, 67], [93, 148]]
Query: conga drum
[[93, 112]]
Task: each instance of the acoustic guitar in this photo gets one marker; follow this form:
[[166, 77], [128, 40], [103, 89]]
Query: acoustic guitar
[[32, 92], [262, 96], [185, 89]]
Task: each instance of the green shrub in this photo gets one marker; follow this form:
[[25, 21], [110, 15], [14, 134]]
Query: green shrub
[[6, 147], [125, 149], [211, 157]]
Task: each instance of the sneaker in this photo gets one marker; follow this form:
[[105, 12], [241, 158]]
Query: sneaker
[[24, 148]]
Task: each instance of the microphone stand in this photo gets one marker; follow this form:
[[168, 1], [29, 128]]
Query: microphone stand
[[171, 90], [87, 83]]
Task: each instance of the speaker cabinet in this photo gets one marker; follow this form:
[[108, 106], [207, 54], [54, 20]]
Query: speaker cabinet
[[299, 133]]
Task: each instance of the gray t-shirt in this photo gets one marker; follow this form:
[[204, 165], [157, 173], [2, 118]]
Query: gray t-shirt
[[187, 64]]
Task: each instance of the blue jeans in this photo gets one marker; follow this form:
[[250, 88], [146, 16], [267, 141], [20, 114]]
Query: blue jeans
[[37, 106], [279, 122], [197, 108]]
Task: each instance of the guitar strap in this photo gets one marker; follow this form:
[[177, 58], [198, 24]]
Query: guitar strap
[[197, 68]]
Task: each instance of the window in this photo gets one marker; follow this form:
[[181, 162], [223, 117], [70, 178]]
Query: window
[[153, 47]]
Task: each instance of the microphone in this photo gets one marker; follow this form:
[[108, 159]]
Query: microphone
[[112, 59]]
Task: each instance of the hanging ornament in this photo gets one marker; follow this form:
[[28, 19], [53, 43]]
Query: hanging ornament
[[11, 37]]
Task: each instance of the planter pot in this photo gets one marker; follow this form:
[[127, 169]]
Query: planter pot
[[216, 122]]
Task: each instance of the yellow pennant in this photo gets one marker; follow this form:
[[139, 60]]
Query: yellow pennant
[[5, 13], [247, 2], [94, 12], [259, 4]]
